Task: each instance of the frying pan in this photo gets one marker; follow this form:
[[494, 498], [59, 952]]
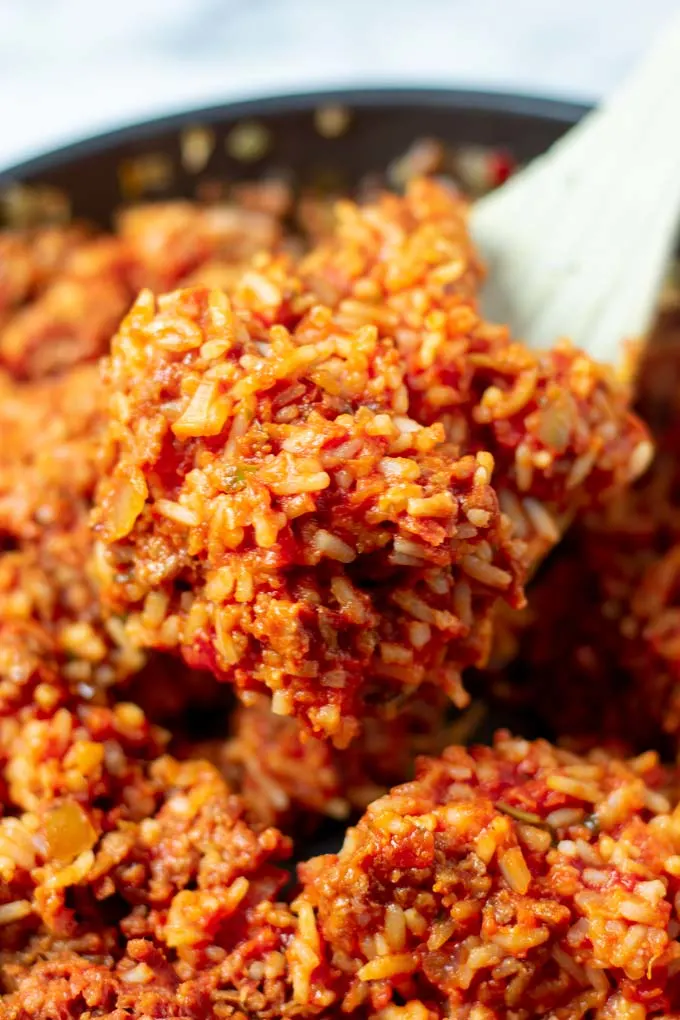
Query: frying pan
[[329, 139]]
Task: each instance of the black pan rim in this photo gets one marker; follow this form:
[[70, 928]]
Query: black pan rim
[[511, 104]]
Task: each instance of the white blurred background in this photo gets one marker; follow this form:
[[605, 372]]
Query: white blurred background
[[69, 68]]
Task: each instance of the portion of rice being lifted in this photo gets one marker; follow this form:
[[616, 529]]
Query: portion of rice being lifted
[[514, 881], [275, 513], [306, 508]]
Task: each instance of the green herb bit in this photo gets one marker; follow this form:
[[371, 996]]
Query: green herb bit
[[528, 818], [236, 477], [521, 816]]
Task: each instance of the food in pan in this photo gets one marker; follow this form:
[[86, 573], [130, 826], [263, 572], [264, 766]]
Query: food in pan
[[272, 491]]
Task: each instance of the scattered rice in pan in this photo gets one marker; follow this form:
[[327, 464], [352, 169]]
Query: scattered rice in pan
[[63, 290], [170, 241], [74, 310], [512, 881], [50, 460], [130, 880], [614, 671], [291, 780]]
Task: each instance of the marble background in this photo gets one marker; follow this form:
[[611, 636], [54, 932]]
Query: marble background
[[72, 67]]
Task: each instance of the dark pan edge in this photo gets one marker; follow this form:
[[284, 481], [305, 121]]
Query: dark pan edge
[[513, 105]]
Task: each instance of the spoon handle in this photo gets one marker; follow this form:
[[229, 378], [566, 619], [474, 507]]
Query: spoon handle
[[578, 243]]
